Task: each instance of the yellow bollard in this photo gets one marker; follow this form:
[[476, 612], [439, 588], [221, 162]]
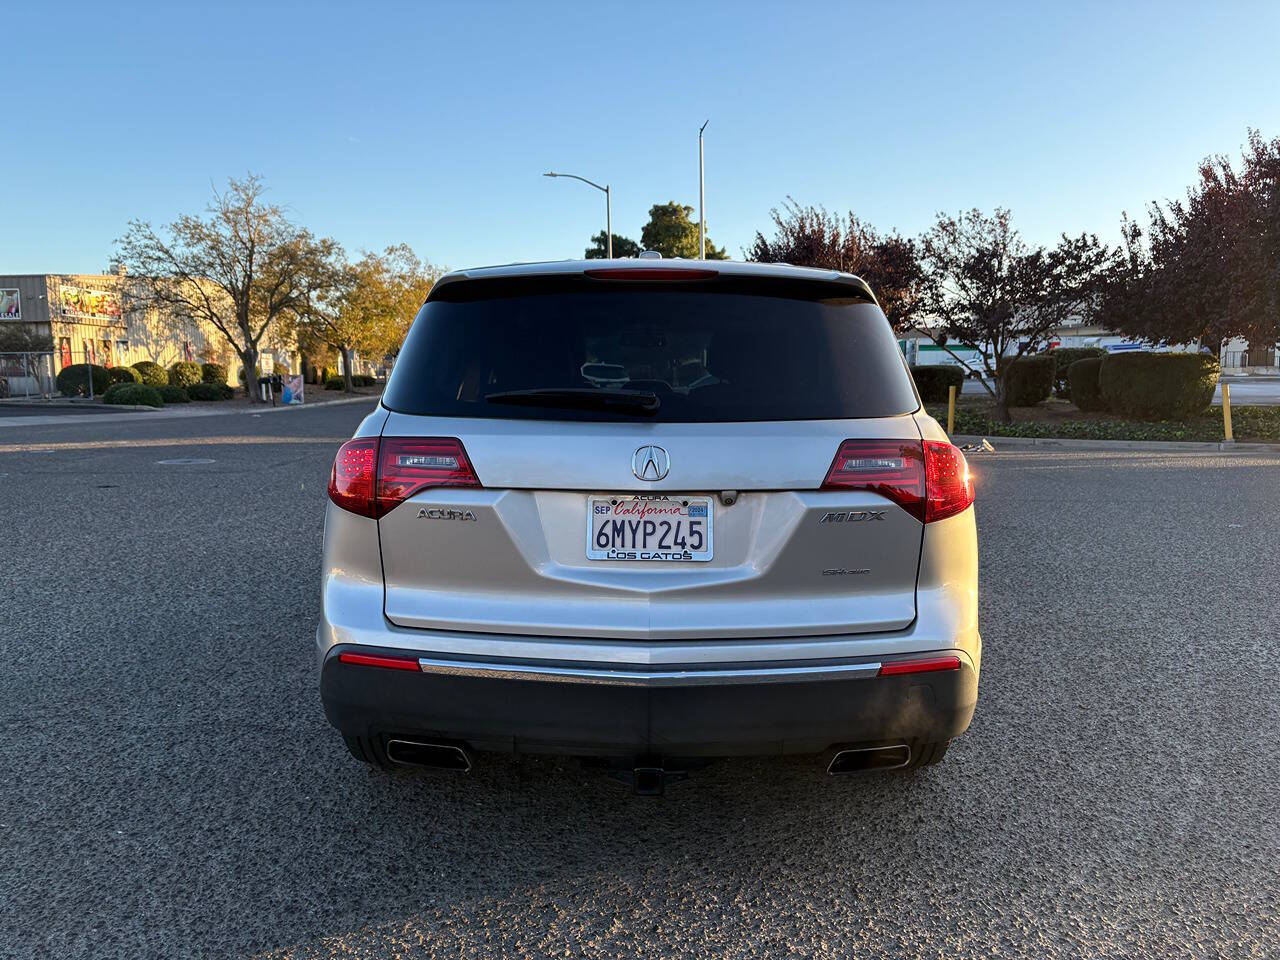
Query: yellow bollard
[[1226, 412], [951, 411]]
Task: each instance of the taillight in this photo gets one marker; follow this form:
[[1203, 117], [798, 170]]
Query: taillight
[[930, 481], [947, 479], [892, 468], [351, 482], [406, 466], [371, 477]]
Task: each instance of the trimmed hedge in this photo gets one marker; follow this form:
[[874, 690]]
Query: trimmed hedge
[[363, 380], [172, 393], [131, 393], [124, 375], [1086, 393], [1158, 386], [933, 380], [153, 375], [256, 369], [1029, 380], [210, 391], [213, 373], [1063, 358], [74, 380], [184, 373], [335, 383]]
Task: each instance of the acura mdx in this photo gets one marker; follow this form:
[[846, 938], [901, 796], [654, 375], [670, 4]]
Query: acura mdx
[[652, 511]]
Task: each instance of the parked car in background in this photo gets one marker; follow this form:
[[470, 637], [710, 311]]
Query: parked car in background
[[777, 557]]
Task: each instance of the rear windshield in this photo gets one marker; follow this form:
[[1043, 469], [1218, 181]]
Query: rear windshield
[[733, 349]]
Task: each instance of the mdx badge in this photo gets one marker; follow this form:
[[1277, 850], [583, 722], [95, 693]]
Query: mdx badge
[[852, 516]]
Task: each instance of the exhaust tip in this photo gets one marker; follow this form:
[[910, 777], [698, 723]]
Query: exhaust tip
[[437, 756], [869, 759]]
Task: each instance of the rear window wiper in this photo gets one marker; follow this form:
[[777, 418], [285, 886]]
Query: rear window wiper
[[584, 398]]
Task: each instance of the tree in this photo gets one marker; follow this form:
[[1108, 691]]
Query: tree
[[812, 237], [671, 233], [1208, 268], [988, 291], [23, 338], [367, 306], [241, 268], [622, 247]]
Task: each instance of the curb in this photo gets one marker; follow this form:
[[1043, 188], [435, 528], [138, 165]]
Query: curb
[[312, 406], [1173, 446]]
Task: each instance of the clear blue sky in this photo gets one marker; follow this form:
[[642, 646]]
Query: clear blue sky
[[431, 123]]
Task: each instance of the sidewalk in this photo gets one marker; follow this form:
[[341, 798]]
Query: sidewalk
[[1167, 446], [149, 414]]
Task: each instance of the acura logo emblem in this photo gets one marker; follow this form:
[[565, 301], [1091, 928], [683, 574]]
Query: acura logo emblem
[[650, 463]]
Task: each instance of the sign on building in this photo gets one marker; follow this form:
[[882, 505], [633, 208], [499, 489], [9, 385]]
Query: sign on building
[[10, 304], [91, 304]]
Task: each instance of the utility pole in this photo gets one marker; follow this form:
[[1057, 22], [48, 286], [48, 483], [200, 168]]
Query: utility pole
[[702, 199]]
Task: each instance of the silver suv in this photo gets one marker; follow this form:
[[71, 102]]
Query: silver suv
[[758, 543]]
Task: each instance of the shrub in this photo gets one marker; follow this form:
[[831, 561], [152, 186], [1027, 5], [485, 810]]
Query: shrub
[[933, 380], [184, 373], [153, 375], [1029, 380], [74, 380], [213, 373], [131, 393], [1063, 358], [257, 370], [1158, 386], [124, 375], [1086, 394], [363, 380], [210, 391], [334, 383], [172, 393]]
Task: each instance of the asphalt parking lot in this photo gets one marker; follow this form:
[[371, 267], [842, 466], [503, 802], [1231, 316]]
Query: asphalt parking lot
[[170, 787]]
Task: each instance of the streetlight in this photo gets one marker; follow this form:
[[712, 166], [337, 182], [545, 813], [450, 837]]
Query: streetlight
[[608, 207], [702, 199]]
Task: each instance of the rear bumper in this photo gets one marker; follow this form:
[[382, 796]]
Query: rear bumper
[[625, 710]]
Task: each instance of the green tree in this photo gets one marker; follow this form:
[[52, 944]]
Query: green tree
[[366, 307], [243, 268], [672, 233], [622, 247]]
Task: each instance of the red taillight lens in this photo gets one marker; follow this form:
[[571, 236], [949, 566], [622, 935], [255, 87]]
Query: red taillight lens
[[373, 476], [351, 483], [892, 468], [924, 665], [947, 479], [929, 481], [376, 660]]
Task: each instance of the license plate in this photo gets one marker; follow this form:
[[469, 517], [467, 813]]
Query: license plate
[[649, 528]]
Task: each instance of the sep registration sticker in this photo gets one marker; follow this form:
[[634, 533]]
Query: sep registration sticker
[[658, 528]]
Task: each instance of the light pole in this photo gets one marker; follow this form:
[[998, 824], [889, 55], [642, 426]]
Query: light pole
[[702, 199], [608, 207]]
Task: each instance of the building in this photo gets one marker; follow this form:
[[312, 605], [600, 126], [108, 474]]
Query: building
[[102, 319]]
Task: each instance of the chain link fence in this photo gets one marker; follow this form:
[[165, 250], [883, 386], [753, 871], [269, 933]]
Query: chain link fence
[[28, 375]]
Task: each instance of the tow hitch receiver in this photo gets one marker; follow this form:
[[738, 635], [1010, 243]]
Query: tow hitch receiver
[[648, 779]]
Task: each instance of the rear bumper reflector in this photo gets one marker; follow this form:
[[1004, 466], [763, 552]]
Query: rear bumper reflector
[[374, 660], [925, 665]]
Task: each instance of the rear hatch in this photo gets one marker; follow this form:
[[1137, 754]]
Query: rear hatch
[[682, 496]]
